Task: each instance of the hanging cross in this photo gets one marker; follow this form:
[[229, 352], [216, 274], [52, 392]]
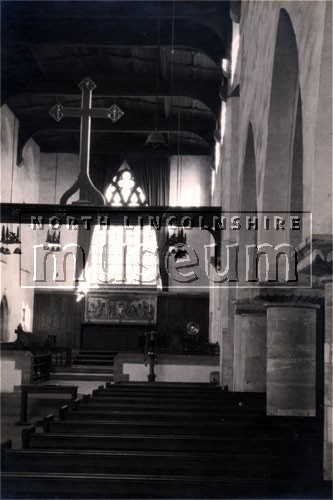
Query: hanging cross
[[88, 192]]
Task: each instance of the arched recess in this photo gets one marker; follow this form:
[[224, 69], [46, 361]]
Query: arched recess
[[249, 185], [248, 203], [283, 177], [4, 317]]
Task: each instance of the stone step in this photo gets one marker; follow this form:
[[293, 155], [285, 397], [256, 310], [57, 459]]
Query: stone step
[[81, 376], [95, 362], [99, 358], [83, 369], [97, 353]]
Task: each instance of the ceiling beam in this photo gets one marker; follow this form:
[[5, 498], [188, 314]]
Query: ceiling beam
[[102, 32], [126, 145], [39, 123], [207, 93]]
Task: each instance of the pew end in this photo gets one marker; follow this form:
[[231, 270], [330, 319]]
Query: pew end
[[46, 422], [26, 433], [62, 411], [75, 404]]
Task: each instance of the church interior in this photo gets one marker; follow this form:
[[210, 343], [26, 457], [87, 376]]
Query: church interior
[[166, 249]]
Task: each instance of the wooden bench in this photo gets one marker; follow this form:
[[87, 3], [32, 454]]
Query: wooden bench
[[137, 442], [115, 486], [42, 389], [193, 447], [136, 462], [225, 427], [168, 409], [86, 412]]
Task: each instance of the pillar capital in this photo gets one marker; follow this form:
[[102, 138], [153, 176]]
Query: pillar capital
[[315, 255], [326, 280], [291, 297], [249, 307], [295, 303]]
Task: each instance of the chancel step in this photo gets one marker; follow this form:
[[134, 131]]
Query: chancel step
[[94, 358], [94, 366], [95, 363], [84, 369], [87, 352], [75, 376]]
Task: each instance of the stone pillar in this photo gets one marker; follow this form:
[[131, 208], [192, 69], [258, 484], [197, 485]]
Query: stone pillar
[[291, 359], [328, 397], [250, 347], [315, 257]]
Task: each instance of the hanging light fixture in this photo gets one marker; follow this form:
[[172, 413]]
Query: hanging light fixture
[[52, 242], [156, 139], [8, 236]]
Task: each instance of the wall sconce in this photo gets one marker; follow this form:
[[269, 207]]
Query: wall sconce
[[177, 243], [52, 242], [9, 237]]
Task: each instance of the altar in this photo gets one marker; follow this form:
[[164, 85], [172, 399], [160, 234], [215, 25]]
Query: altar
[[111, 337]]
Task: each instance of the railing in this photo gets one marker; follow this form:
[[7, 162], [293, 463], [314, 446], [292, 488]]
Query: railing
[[41, 367], [61, 356]]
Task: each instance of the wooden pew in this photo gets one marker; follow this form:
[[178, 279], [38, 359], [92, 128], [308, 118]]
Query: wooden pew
[[83, 412], [108, 486], [193, 447], [173, 404], [94, 405], [226, 427], [42, 389], [190, 464], [172, 399], [137, 442]]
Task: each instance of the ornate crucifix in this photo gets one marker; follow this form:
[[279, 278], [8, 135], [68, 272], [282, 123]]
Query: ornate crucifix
[[89, 194]]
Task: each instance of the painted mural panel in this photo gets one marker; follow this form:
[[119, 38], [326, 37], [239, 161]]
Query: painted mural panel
[[125, 308]]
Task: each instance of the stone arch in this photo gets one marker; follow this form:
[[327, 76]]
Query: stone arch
[[248, 204], [248, 200], [4, 319], [283, 178]]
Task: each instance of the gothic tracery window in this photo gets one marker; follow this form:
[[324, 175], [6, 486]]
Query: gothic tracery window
[[124, 255], [124, 191]]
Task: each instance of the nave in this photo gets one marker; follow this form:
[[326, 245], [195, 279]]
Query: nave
[[166, 440], [198, 109]]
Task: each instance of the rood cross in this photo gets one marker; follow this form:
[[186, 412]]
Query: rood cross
[[88, 192]]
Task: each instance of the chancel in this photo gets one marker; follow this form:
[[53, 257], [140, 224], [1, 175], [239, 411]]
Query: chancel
[[166, 315]]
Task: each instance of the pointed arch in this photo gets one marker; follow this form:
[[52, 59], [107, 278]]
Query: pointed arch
[[249, 183], [248, 203], [283, 178], [124, 190], [4, 319]]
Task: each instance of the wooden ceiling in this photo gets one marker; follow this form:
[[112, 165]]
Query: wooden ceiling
[[159, 61]]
